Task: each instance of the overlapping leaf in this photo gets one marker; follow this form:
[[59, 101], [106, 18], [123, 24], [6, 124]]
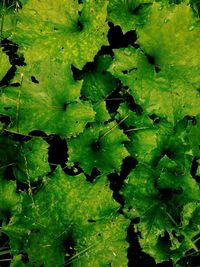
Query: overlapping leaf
[[160, 191], [146, 135], [160, 208], [70, 221], [62, 214], [48, 34], [102, 114], [164, 94], [98, 82]]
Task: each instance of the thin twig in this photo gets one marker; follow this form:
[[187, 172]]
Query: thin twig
[[113, 127], [136, 129]]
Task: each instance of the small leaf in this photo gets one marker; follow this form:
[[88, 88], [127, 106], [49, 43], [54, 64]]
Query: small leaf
[[28, 160], [98, 82], [4, 64]]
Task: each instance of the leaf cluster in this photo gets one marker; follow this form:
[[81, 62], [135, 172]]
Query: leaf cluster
[[84, 87]]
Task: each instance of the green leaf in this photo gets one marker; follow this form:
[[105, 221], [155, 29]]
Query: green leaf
[[10, 201], [164, 94], [124, 13], [32, 162], [192, 136], [29, 160], [143, 134], [4, 64], [191, 210], [159, 190], [8, 151], [165, 30], [102, 114], [195, 4], [56, 29], [190, 230], [62, 216], [17, 261], [141, 200], [176, 149], [98, 83], [198, 169], [99, 146], [172, 176], [8, 18], [51, 109], [151, 139], [142, 145]]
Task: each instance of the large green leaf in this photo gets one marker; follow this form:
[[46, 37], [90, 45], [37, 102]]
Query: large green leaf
[[36, 107], [168, 94], [169, 38], [61, 216], [100, 146], [55, 26]]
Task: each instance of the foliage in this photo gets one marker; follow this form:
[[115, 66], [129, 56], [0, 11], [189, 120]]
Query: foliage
[[62, 79]]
